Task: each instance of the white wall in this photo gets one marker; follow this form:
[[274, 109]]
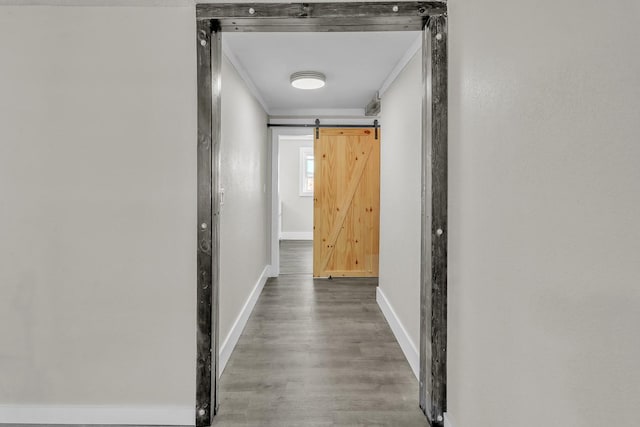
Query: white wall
[[297, 210], [544, 250], [97, 211], [400, 184], [245, 216]]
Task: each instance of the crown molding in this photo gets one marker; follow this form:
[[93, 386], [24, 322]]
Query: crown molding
[[317, 112], [244, 75], [406, 58]]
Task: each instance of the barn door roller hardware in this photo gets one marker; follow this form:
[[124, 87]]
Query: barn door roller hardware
[[319, 125]]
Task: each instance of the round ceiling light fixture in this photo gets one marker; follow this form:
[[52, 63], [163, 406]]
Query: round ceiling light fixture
[[308, 80]]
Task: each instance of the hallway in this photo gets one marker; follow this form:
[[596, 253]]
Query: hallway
[[317, 353]]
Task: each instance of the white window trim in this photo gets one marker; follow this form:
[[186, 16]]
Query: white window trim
[[304, 152]]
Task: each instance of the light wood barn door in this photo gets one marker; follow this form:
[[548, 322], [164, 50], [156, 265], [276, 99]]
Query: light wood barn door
[[346, 215]]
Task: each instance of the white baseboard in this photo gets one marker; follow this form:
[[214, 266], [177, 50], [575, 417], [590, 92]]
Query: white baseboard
[[296, 235], [81, 414], [447, 420], [406, 344], [241, 321]]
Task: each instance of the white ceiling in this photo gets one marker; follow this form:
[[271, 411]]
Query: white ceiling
[[356, 64]]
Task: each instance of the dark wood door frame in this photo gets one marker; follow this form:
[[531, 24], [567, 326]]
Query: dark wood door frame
[[427, 16]]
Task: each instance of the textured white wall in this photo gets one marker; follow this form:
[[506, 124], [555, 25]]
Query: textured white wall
[[400, 166], [245, 218], [97, 206], [544, 250], [297, 211]]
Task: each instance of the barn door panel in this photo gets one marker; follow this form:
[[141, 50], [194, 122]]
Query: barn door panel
[[346, 203]]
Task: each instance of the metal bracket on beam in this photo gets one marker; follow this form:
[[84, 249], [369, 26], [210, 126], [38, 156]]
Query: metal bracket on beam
[[317, 128]]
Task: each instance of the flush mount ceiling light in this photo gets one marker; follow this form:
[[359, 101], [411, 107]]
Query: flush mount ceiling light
[[307, 80]]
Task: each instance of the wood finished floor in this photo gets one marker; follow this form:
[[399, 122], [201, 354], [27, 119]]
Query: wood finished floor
[[317, 353], [296, 257]]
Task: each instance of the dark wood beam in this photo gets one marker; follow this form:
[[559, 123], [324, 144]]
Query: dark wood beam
[[308, 17], [208, 75], [216, 163], [364, 16], [433, 326], [319, 26]]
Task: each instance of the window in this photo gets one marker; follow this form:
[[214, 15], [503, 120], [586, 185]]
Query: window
[[306, 171]]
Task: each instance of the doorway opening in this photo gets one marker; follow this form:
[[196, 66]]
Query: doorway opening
[[292, 191], [292, 213], [428, 17]]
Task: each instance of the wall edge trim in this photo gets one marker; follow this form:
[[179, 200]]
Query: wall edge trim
[[98, 414], [241, 321], [409, 349]]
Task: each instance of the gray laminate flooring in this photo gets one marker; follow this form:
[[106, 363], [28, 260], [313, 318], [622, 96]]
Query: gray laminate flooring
[[317, 353], [296, 257]]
